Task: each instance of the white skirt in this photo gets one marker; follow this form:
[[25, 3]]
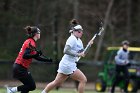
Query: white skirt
[[67, 67]]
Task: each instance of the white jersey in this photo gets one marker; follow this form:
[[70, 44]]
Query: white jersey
[[67, 64]]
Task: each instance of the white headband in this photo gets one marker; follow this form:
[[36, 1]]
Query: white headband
[[78, 27]]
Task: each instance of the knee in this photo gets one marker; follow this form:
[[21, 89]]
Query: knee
[[84, 80]]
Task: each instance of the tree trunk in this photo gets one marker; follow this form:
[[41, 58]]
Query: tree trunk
[[39, 10], [128, 19], [6, 5], [76, 5], [97, 53]]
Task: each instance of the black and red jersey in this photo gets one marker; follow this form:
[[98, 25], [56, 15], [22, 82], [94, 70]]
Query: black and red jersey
[[20, 60]]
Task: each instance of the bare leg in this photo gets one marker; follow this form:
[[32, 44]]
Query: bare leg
[[60, 78], [79, 76]]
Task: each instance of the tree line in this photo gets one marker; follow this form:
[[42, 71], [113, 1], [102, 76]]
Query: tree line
[[120, 17]]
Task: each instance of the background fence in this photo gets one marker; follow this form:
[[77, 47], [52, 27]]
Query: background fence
[[45, 72]]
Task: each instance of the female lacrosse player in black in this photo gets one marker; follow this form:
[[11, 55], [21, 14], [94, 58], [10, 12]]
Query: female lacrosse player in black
[[24, 59]]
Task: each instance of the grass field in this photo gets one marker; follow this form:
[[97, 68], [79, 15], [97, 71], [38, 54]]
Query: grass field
[[3, 90]]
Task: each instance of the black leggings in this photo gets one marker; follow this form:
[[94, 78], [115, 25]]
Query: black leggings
[[25, 77], [124, 70]]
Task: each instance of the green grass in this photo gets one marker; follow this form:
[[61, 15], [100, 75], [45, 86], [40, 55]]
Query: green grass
[[3, 90]]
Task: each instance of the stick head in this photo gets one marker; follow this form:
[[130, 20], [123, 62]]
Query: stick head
[[99, 24], [101, 30]]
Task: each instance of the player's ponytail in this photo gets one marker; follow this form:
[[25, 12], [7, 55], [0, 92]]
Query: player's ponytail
[[31, 30], [28, 29], [74, 25], [74, 22]]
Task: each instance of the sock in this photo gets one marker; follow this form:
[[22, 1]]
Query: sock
[[43, 91], [14, 89]]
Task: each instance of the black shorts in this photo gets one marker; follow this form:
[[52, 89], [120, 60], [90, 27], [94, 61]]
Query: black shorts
[[19, 71]]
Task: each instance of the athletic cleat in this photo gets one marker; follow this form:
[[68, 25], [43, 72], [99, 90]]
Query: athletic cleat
[[9, 89], [43, 91]]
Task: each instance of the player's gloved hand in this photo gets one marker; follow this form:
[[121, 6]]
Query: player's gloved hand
[[129, 64], [126, 62], [82, 54], [80, 50], [38, 53], [90, 42], [49, 60]]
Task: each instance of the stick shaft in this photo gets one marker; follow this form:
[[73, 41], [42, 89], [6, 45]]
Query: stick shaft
[[88, 45]]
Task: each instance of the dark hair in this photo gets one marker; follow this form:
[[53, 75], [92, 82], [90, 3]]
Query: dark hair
[[31, 30], [125, 42], [73, 23]]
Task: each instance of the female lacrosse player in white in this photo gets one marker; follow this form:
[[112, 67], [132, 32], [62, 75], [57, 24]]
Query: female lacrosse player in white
[[67, 66]]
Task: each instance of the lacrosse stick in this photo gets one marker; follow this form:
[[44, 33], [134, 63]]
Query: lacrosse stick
[[101, 29]]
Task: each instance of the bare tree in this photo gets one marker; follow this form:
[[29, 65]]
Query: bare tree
[[97, 53], [6, 5], [128, 19], [38, 11], [76, 4]]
